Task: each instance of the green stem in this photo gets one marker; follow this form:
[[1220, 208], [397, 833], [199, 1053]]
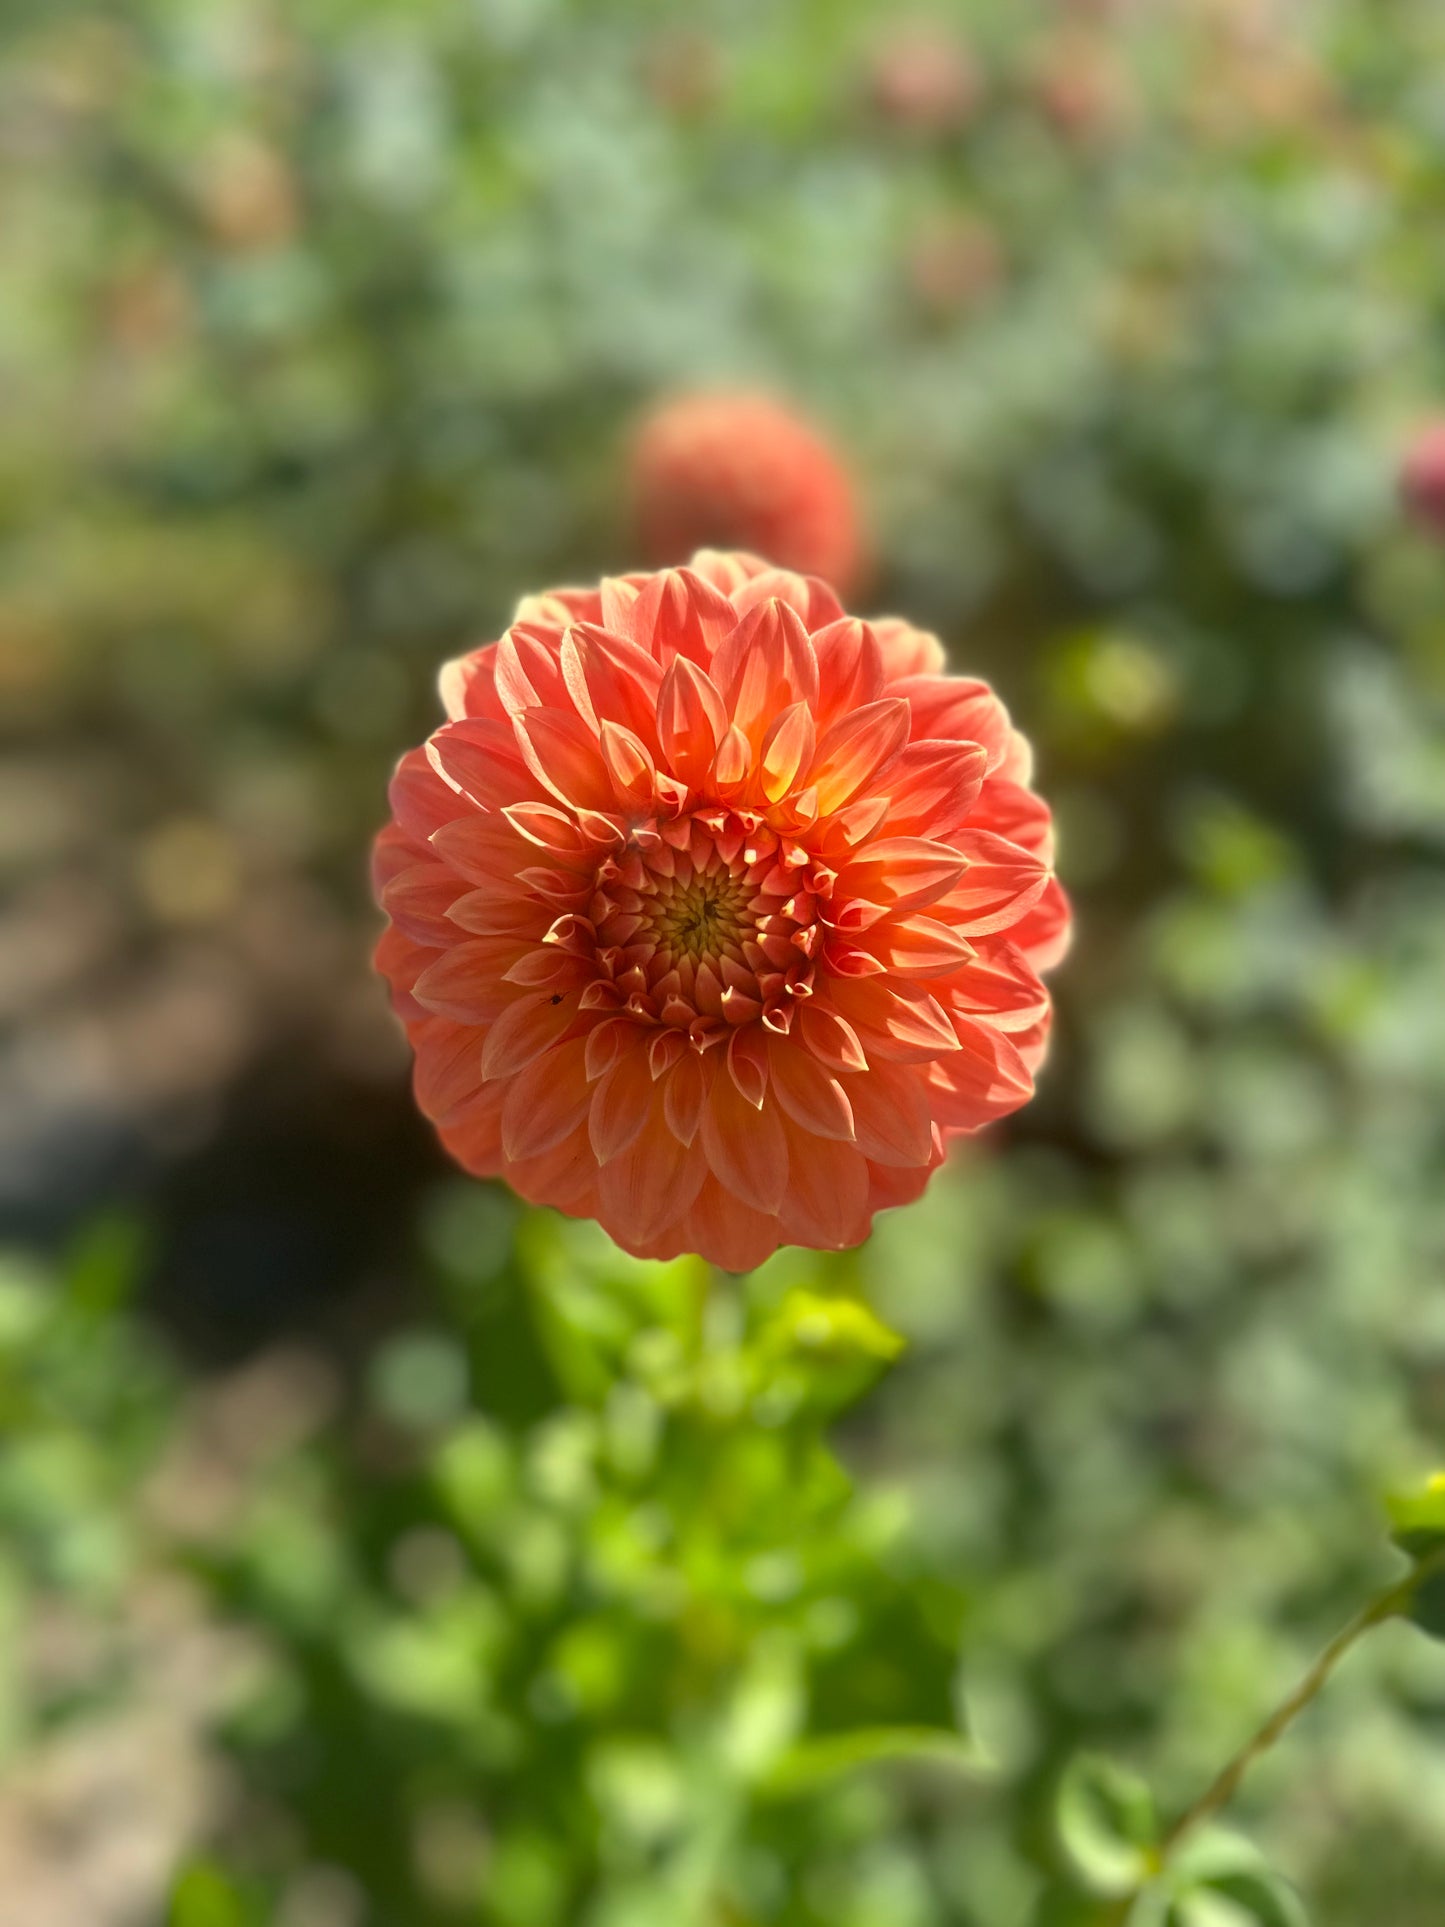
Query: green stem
[[1386, 1604]]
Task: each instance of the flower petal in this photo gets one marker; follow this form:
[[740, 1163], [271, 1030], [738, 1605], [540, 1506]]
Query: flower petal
[[811, 1096], [527, 1027], [620, 1103], [901, 872], [827, 1205], [727, 1232], [765, 664], [891, 1116], [691, 720], [745, 1148], [856, 748], [651, 1184], [545, 1101]]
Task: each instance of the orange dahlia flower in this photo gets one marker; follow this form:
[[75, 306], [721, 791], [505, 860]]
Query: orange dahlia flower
[[743, 471], [715, 912]]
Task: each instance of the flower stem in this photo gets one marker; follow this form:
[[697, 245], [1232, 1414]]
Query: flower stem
[[1390, 1601], [1385, 1605]]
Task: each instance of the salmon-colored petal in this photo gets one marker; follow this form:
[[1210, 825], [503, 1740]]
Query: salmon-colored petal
[[728, 569], [1044, 931], [611, 679], [1000, 985], [393, 852], [901, 872], [895, 1018], [747, 1063], [918, 946], [562, 753], [468, 685], [528, 1026], [908, 651], [812, 1096], [892, 1118], [692, 720], [564, 1177], [448, 1065], [682, 614], [893, 1184], [546, 967], [1013, 812], [401, 962], [933, 788], [546, 1101], [765, 664], [984, 1079], [827, 1205], [528, 669], [857, 749], [464, 982], [473, 1133], [850, 668], [421, 799], [479, 760], [650, 1185], [812, 599], [787, 748], [831, 1038], [998, 884], [727, 1232], [745, 1147], [621, 1103], [685, 1092], [496, 913], [419, 899], [958, 709], [629, 763]]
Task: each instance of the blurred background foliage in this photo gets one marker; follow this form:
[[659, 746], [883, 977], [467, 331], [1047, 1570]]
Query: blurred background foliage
[[374, 1554]]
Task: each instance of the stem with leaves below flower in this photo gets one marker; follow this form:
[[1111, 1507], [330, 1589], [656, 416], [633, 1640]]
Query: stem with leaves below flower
[[1389, 1603]]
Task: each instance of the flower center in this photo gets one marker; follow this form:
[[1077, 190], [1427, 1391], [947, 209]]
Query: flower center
[[702, 918], [704, 922]]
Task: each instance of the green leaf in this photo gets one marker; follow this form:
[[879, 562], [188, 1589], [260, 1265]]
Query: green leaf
[[104, 1264], [1107, 1825], [1262, 1896], [1222, 1866], [205, 1896], [813, 1762]]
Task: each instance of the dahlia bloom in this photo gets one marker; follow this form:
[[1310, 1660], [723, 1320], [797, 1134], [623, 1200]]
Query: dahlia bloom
[[715, 912], [743, 471]]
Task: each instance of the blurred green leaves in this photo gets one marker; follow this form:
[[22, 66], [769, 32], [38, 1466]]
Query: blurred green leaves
[[646, 1618]]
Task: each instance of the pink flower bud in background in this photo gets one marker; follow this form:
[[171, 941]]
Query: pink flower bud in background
[[720, 470], [924, 80], [1422, 476]]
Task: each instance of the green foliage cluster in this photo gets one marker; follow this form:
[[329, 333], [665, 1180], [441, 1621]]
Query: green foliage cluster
[[588, 1594]]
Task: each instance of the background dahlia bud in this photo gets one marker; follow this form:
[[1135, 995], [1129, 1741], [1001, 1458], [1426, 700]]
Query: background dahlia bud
[[743, 471], [1422, 476], [924, 80], [716, 912], [1080, 88], [682, 69], [955, 265]]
